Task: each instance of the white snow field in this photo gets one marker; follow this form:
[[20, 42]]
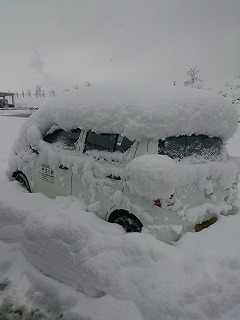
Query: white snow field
[[73, 265]]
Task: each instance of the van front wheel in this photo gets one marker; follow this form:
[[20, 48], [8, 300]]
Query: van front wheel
[[128, 221]]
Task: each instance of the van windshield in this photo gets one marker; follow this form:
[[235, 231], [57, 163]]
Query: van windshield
[[188, 146]]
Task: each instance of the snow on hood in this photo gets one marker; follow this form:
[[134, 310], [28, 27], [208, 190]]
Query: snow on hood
[[139, 114]]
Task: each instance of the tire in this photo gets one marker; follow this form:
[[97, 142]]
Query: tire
[[128, 221], [23, 181]]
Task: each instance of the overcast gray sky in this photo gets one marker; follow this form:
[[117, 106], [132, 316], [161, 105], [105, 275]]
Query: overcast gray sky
[[61, 43]]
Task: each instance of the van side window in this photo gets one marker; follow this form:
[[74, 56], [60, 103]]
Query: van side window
[[102, 141], [67, 139], [107, 142], [185, 146], [173, 147]]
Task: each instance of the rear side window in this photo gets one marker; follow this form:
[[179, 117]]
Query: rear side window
[[107, 142], [65, 139], [185, 146]]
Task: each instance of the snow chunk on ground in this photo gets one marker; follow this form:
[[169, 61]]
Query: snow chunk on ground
[[128, 276]]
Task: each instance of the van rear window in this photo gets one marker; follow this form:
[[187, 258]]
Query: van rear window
[[186, 146]]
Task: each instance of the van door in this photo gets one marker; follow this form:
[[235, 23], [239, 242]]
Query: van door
[[101, 174], [52, 172]]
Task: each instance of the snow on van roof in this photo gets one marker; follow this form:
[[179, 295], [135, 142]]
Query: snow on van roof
[[139, 114]]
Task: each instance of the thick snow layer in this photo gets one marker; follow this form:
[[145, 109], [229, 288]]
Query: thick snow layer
[[115, 275], [96, 271], [139, 114], [156, 176], [152, 176], [149, 176]]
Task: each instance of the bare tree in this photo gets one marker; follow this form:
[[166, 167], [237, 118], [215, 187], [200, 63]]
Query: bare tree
[[237, 76], [194, 80], [233, 89], [52, 93], [29, 93], [23, 94], [38, 91]]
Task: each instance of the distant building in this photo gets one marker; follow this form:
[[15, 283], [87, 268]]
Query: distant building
[[7, 100]]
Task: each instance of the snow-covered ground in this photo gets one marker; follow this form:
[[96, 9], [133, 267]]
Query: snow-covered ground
[[72, 265]]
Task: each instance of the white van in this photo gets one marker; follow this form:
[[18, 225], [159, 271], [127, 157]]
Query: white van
[[152, 161]]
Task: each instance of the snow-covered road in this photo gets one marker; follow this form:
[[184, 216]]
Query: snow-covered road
[[91, 269]]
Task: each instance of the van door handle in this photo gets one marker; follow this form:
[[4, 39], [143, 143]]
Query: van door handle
[[34, 151], [63, 167]]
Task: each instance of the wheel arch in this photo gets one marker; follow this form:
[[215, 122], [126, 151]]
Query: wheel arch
[[15, 173], [25, 183]]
